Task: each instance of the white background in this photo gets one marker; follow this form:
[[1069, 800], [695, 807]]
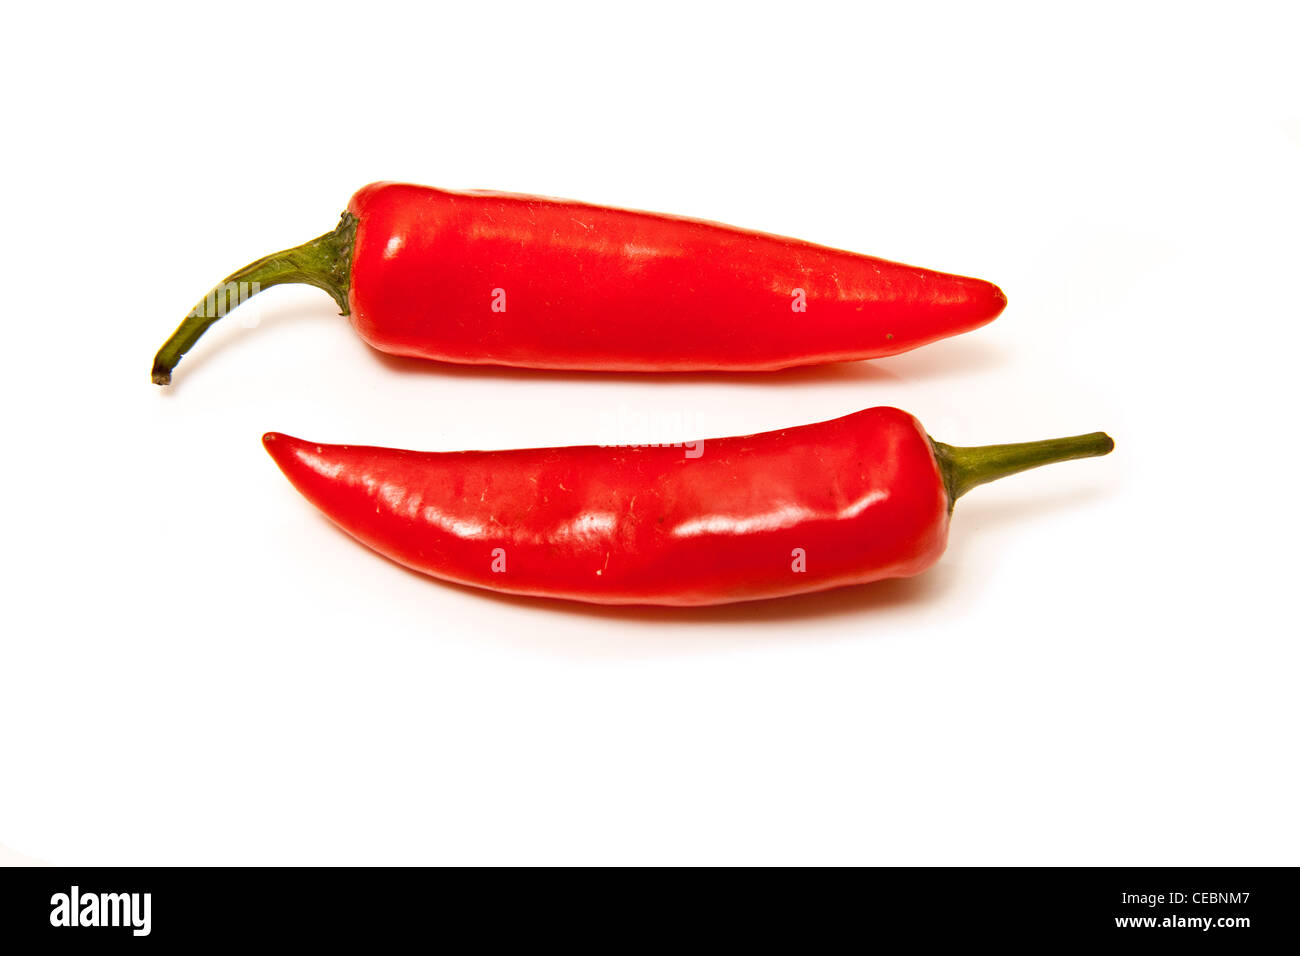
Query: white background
[[196, 667]]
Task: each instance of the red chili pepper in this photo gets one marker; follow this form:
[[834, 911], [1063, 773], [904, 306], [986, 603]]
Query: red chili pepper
[[486, 278], [856, 499]]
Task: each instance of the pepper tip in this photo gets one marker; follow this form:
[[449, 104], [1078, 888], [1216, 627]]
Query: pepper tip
[[1000, 298]]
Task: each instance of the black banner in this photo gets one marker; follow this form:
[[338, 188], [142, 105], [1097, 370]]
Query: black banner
[[1223, 907]]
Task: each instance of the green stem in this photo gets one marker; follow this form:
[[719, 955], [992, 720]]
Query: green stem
[[325, 262], [964, 468]]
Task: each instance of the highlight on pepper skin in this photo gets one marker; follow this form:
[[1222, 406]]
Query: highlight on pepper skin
[[490, 278], [857, 499]]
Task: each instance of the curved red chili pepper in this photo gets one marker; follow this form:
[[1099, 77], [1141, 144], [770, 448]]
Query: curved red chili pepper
[[486, 278], [856, 499]]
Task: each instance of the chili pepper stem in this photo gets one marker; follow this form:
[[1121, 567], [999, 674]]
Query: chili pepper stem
[[325, 262], [964, 468]]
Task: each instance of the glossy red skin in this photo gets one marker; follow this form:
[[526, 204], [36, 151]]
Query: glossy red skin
[[588, 287], [861, 495]]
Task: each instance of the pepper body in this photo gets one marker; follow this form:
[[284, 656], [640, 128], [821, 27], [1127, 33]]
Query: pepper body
[[801, 509], [488, 278], [503, 279]]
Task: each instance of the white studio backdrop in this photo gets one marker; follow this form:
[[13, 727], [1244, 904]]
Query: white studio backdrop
[[198, 668]]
